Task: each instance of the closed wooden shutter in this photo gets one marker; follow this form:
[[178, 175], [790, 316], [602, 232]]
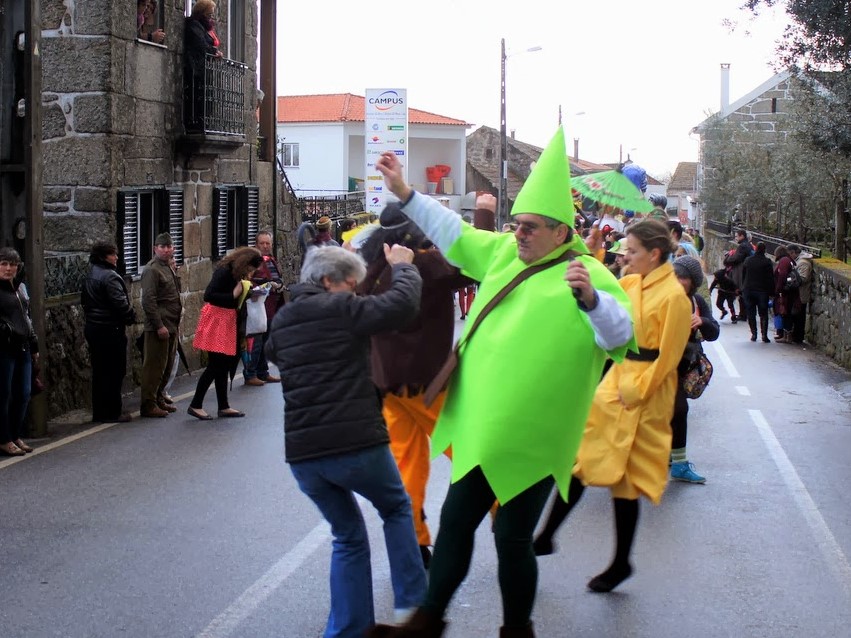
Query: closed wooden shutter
[[220, 222], [128, 232], [174, 200], [252, 207]]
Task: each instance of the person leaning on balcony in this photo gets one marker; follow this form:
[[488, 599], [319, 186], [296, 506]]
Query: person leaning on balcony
[[146, 22], [162, 307], [199, 41]]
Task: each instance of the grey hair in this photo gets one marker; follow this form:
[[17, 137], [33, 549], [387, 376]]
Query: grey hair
[[333, 262]]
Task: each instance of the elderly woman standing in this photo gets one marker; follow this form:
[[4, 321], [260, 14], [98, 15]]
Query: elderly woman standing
[[627, 441], [221, 328], [108, 312], [335, 437], [18, 350]]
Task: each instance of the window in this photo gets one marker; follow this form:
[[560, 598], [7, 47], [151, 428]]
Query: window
[[236, 30], [488, 153], [142, 215], [774, 105], [236, 217], [150, 21], [289, 154]]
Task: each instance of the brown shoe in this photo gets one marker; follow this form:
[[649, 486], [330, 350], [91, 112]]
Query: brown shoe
[[272, 379], [10, 449], [23, 446], [168, 407], [153, 412], [254, 381]]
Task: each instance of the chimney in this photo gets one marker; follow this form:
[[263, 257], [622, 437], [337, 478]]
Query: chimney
[[575, 148], [513, 131], [725, 86]]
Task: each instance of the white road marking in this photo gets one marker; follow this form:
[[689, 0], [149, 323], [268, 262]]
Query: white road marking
[[41, 449], [743, 390], [830, 549], [725, 359], [227, 622]]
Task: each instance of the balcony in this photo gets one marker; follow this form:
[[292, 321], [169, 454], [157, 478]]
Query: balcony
[[214, 106]]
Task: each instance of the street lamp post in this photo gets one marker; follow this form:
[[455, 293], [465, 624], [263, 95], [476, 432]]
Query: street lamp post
[[502, 204]]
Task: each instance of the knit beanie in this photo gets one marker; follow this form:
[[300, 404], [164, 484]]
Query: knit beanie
[[687, 266]]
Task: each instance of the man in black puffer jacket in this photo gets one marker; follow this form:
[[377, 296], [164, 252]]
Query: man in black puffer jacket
[[335, 436], [107, 307]]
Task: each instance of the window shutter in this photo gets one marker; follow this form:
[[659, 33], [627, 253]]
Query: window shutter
[[174, 199], [220, 222], [252, 207], [128, 231]]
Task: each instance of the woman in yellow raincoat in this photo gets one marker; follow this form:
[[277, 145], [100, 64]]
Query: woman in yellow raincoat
[[627, 440]]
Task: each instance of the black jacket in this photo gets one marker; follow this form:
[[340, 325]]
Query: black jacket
[[104, 297], [16, 332], [320, 342], [759, 274], [197, 44]]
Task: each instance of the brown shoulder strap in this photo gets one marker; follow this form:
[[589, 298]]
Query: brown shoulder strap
[[524, 274]]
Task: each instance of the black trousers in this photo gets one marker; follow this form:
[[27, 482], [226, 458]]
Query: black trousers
[[679, 422], [108, 352], [217, 371]]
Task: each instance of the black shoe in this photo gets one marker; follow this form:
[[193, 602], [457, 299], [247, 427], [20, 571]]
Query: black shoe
[[543, 546], [723, 314], [753, 337], [198, 415], [609, 579]]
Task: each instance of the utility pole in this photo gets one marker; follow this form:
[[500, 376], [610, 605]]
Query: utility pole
[[503, 147]]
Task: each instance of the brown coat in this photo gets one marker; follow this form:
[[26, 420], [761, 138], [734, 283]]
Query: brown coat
[[161, 297]]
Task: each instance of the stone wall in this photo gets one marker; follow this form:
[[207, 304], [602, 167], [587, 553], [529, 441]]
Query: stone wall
[[112, 110], [829, 321]]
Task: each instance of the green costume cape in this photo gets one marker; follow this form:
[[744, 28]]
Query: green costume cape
[[520, 397]]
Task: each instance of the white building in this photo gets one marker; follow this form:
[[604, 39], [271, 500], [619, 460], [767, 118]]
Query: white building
[[321, 143]]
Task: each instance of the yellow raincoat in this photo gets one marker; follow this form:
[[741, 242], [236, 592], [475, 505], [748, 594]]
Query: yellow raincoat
[[627, 438]]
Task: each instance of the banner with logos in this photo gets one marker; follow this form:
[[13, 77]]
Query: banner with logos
[[386, 129]]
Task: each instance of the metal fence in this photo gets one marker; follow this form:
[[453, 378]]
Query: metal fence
[[215, 103], [334, 206], [64, 274], [771, 242]]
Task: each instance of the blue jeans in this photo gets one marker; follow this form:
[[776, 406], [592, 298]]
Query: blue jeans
[[331, 483], [15, 384], [257, 366]]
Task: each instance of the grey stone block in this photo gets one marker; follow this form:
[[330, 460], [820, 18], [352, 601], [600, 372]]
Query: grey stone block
[[76, 232], [233, 171], [94, 17], [52, 121], [94, 200], [150, 118], [144, 172], [103, 113], [77, 65], [84, 161], [56, 195], [199, 275], [52, 13]]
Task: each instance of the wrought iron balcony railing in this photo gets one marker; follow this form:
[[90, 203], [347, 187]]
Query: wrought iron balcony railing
[[215, 103]]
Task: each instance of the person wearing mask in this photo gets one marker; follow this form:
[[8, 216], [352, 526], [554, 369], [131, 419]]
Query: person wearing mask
[[551, 332], [106, 305], [627, 441], [256, 371], [758, 290], [221, 328], [18, 353], [689, 272], [335, 438]]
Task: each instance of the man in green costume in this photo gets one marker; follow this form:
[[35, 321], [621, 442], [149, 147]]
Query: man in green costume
[[517, 405]]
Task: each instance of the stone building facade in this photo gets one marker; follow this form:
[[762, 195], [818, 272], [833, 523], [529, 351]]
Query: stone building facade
[[118, 165]]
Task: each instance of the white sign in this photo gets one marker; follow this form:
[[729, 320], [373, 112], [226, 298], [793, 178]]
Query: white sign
[[386, 129]]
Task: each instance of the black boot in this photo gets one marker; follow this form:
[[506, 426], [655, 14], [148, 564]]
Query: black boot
[[543, 544], [422, 624], [626, 520], [514, 632], [763, 328], [752, 325]]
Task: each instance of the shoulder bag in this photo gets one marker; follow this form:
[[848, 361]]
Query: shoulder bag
[[441, 379]]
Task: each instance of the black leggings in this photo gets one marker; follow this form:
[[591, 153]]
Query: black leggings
[[218, 367], [679, 422], [467, 503]]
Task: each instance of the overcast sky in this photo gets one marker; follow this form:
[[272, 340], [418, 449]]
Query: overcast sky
[[644, 73]]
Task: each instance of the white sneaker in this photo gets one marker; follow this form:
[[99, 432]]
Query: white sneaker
[[401, 616]]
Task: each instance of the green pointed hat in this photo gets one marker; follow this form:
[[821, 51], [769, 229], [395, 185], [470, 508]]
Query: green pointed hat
[[547, 189]]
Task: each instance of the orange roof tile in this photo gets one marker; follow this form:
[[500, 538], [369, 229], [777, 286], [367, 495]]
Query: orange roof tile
[[343, 107]]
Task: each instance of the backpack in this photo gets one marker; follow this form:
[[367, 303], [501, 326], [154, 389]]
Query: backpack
[[793, 279]]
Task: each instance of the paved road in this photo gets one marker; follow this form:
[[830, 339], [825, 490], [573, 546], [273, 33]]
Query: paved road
[[181, 528]]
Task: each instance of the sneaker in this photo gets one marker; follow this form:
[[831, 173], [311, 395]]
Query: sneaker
[[685, 472]]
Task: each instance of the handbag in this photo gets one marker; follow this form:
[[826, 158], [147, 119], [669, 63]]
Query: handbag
[[697, 377], [216, 331], [441, 379], [255, 322]]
